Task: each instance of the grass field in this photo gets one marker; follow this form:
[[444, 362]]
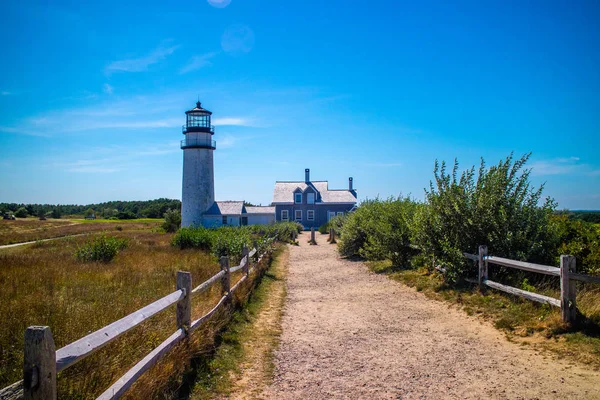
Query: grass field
[[524, 321], [31, 229], [44, 284]]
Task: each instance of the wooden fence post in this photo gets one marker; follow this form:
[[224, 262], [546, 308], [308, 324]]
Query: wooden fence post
[[246, 265], [39, 367], [226, 280], [312, 236], [184, 306], [332, 236], [483, 265], [568, 289]]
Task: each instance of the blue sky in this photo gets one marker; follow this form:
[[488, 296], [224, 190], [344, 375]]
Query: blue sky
[[93, 94]]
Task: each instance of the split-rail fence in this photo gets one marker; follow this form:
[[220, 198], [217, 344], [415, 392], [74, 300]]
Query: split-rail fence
[[567, 273], [42, 361]]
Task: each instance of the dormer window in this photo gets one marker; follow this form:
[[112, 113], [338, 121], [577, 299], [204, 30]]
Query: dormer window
[[298, 198], [310, 198]]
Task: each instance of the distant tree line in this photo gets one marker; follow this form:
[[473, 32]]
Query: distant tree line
[[585, 216], [111, 209]]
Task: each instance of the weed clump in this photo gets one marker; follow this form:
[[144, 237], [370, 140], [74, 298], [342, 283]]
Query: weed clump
[[103, 249]]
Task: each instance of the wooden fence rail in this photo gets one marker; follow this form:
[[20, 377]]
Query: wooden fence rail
[[567, 274], [42, 362]]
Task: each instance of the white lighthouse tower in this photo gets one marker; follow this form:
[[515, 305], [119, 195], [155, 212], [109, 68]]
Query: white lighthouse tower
[[198, 189]]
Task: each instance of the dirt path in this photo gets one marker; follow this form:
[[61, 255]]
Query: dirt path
[[352, 334], [8, 246]]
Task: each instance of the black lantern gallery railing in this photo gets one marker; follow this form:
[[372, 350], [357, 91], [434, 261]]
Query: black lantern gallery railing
[[197, 128], [189, 143]]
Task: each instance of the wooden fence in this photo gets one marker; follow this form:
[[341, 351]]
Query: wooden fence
[[42, 361], [567, 274]]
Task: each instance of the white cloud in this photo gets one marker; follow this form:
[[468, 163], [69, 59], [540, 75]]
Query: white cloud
[[558, 166], [141, 63], [108, 89], [563, 166], [197, 62], [234, 121], [219, 3]]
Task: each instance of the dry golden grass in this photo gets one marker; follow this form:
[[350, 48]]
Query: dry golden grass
[[43, 284], [29, 230]]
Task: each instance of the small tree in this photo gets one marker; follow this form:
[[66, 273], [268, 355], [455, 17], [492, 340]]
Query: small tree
[[21, 213], [89, 213], [55, 213], [172, 221]]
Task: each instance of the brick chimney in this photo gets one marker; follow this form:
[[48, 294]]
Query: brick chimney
[[350, 186], [307, 175]]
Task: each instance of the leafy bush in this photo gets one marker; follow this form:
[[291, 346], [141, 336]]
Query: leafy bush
[[378, 230], [126, 215], [21, 213], [499, 209], [199, 238], [323, 229], [172, 221], [580, 239], [229, 241], [103, 248]]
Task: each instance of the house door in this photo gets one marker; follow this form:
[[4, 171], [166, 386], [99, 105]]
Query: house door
[[330, 215]]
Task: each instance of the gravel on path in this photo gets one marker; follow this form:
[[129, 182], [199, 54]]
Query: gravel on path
[[351, 334]]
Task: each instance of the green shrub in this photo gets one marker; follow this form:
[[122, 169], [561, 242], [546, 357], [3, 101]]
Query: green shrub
[[21, 213], [199, 238], [172, 221], [323, 229], [103, 248], [229, 241], [126, 215], [580, 239], [378, 230], [499, 208]]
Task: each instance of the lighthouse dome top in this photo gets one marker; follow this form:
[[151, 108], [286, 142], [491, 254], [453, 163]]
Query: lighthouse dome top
[[198, 109]]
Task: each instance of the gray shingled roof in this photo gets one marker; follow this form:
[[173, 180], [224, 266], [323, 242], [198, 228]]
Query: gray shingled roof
[[284, 192], [226, 208], [260, 210]]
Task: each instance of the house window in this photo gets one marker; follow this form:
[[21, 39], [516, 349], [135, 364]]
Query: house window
[[298, 197], [330, 214], [310, 215], [298, 215], [285, 215], [310, 198], [340, 213], [224, 219]]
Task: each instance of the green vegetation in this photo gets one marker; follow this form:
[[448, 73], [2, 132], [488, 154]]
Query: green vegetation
[[44, 284], [229, 241], [243, 342], [172, 221], [21, 213], [103, 248], [379, 230], [112, 209], [335, 222], [496, 207]]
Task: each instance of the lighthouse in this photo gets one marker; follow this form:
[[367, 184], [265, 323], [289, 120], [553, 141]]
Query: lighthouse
[[198, 188]]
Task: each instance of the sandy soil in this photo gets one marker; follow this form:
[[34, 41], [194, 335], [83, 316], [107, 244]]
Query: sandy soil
[[352, 334]]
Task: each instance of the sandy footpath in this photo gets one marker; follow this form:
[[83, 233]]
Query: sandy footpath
[[352, 334]]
